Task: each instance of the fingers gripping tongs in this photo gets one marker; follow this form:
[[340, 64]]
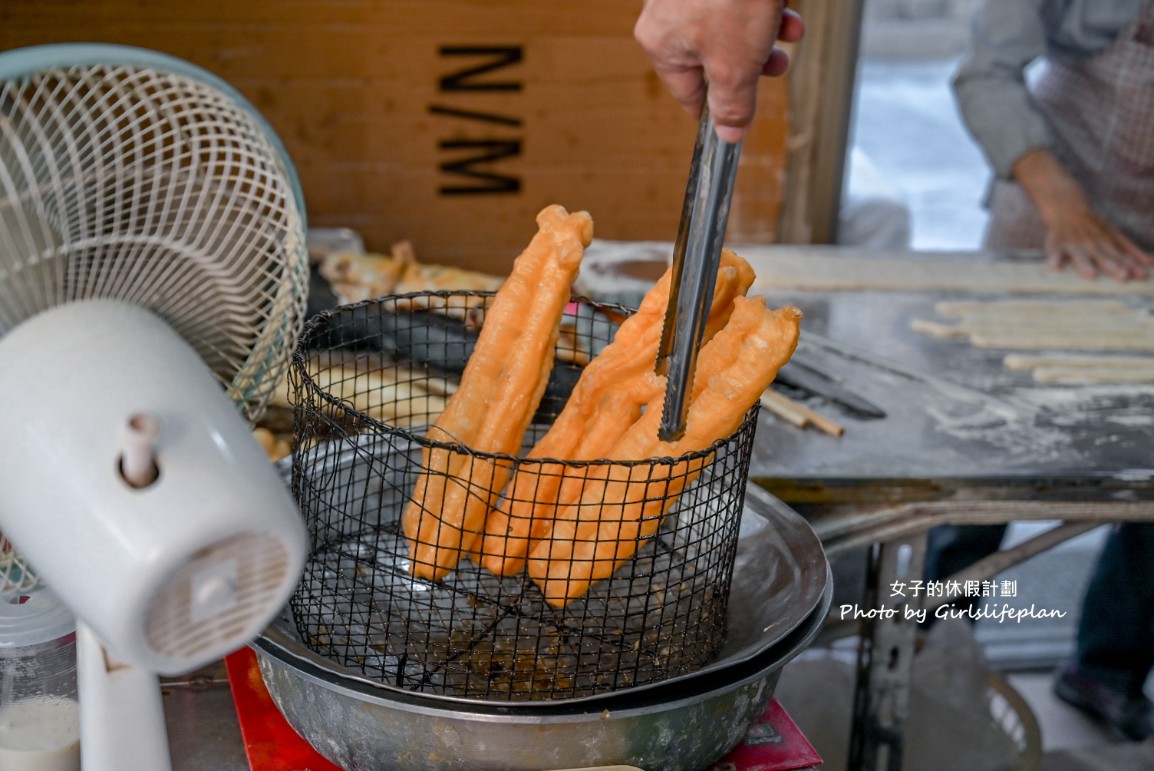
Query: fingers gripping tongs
[[696, 255]]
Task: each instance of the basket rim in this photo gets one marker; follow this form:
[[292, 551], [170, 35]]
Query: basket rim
[[299, 368]]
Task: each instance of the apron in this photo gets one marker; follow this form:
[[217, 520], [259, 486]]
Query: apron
[[1101, 113]]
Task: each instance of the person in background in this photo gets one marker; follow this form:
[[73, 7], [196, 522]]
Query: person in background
[[1072, 153], [729, 43]]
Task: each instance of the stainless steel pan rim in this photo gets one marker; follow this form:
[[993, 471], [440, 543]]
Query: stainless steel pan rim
[[276, 647], [780, 575], [360, 725], [672, 725]]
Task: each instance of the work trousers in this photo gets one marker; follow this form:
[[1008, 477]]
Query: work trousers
[[1115, 644]]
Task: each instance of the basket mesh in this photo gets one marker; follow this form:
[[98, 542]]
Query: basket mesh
[[367, 380]]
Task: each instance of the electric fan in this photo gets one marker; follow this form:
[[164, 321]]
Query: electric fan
[[153, 273]]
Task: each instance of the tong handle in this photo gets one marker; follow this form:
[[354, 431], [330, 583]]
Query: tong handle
[[696, 255]]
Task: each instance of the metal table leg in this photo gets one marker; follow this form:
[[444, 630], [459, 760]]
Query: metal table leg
[[885, 655]]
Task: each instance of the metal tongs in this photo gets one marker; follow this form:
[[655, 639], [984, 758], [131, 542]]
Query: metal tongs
[[696, 255]]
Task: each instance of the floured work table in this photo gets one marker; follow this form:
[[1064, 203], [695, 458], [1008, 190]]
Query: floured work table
[[963, 440]]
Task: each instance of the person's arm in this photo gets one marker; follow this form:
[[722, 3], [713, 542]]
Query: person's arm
[[729, 43], [1075, 234], [995, 105], [990, 83]]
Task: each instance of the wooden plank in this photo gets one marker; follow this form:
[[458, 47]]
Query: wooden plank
[[565, 110]]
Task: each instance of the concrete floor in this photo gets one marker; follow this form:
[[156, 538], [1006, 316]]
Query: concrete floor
[[1063, 728]]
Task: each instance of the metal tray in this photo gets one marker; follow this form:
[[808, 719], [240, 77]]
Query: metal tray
[[782, 592]]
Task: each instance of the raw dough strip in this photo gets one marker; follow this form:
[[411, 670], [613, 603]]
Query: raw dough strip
[[810, 270], [1057, 340], [607, 399], [1028, 308], [1072, 369], [593, 535], [1137, 334], [499, 392], [1081, 375], [1056, 323], [1018, 323], [1023, 363]]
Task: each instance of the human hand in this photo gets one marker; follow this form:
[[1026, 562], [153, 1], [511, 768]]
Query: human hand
[[1075, 234], [1093, 246], [729, 43]]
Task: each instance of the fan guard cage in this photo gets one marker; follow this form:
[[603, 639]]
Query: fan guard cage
[[130, 175], [16, 577]]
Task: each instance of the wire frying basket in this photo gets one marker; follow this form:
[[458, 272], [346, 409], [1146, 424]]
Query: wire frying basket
[[367, 380]]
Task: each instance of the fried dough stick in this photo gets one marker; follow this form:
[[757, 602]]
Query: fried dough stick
[[595, 534], [499, 392], [388, 394], [607, 399]]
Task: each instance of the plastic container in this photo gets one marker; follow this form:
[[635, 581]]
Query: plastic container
[[39, 711]]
